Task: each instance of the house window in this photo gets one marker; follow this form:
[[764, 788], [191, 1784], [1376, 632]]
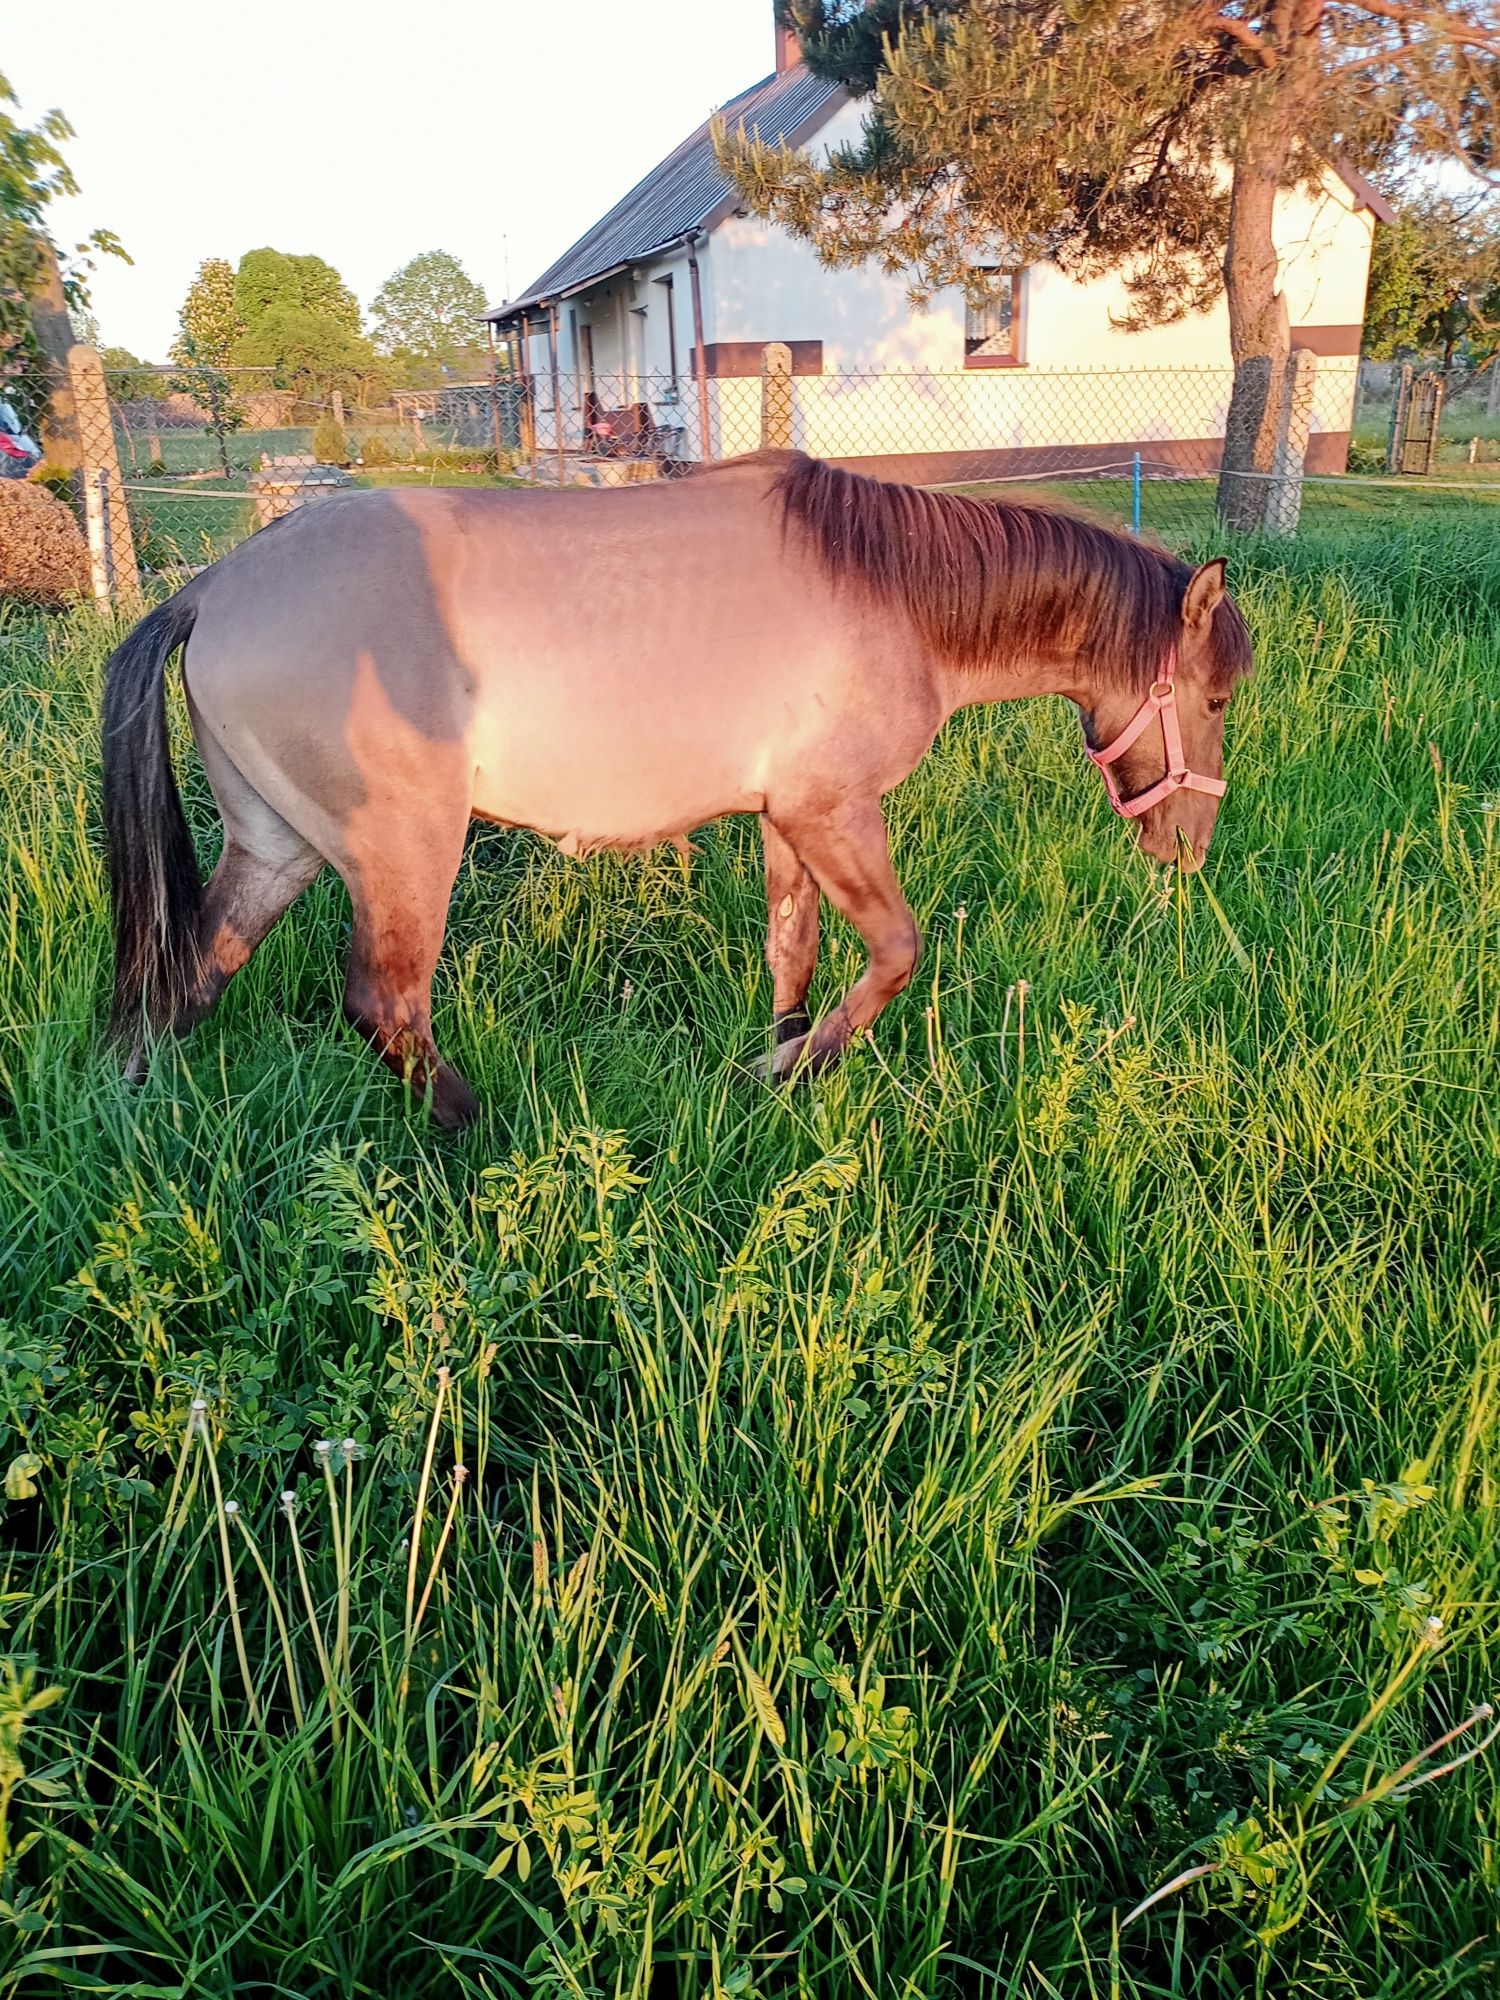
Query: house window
[[992, 331]]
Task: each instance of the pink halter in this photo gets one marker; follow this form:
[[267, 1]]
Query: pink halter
[[1162, 701]]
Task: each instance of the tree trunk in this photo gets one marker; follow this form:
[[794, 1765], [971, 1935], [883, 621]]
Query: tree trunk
[[56, 338], [1260, 337]]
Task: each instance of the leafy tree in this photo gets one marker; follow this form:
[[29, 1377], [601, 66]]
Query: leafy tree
[[427, 318], [1435, 281], [209, 327], [209, 316], [130, 380], [308, 353], [1111, 135], [271, 281], [38, 283]]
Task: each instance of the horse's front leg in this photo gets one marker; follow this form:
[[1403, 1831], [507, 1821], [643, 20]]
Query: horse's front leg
[[848, 856], [791, 933]]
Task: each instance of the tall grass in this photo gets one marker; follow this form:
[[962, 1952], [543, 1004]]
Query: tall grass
[[902, 1526]]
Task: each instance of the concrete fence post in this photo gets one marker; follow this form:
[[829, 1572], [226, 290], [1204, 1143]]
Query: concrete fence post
[[775, 396], [105, 513], [1284, 500]]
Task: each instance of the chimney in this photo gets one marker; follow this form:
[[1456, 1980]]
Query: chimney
[[788, 53]]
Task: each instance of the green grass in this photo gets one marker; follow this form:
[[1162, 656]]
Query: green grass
[[906, 1523], [1180, 512]]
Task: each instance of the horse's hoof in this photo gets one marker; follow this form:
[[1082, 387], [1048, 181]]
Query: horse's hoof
[[454, 1105], [784, 1064]]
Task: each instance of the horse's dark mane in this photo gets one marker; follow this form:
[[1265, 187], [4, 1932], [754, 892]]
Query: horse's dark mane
[[987, 582]]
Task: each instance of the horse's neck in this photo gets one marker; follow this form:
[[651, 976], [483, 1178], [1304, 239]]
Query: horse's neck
[[965, 687]]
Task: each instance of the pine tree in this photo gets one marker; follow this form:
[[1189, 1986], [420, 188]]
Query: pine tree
[[1123, 135]]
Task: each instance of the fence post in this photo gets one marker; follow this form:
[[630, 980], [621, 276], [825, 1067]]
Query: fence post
[[495, 430], [775, 396], [1492, 400], [96, 528], [1400, 403], [1135, 493], [1284, 500], [114, 569], [557, 404]]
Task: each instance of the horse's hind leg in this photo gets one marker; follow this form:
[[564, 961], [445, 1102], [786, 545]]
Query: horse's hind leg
[[791, 932], [400, 913], [263, 868], [849, 856]]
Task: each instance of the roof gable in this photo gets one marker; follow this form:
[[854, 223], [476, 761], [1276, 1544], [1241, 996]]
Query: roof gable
[[687, 190]]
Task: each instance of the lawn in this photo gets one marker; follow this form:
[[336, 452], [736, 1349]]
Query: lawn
[[903, 1524]]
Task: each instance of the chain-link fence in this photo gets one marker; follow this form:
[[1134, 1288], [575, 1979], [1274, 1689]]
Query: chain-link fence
[[201, 460]]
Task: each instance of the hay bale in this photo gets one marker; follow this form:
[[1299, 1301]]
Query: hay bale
[[43, 557]]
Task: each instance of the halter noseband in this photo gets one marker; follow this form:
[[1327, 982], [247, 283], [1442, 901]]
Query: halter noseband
[[1162, 701]]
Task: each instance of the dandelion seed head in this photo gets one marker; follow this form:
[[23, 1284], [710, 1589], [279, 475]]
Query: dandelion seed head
[[444, 1375], [231, 1506], [288, 1499], [323, 1447], [199, 1405]]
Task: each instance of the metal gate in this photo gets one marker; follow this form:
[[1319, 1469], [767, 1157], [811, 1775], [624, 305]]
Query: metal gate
[[1416, 417]]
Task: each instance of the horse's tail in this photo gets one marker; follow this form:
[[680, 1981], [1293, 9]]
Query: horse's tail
[[153, 872]]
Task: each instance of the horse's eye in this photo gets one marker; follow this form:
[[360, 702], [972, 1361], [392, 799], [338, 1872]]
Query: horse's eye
[[1218, 705]]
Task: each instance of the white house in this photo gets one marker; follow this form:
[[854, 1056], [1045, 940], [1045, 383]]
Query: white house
[[652, 326]]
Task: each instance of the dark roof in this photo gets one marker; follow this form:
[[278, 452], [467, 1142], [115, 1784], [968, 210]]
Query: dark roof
[[686, 191]]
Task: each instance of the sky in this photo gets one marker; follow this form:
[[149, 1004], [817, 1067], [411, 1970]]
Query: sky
[[362, 133]]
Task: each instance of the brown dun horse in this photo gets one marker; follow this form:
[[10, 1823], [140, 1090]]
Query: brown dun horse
[[612, 669]]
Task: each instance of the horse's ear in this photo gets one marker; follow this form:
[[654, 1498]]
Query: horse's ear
[[1204, 596]]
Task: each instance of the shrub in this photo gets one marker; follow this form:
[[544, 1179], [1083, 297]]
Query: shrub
[[375, 451], [456, 458], [43, 557], [330, 446]]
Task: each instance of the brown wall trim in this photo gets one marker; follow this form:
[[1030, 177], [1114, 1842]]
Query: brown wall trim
[[1327, 451], [742, 357], [1342, 340]]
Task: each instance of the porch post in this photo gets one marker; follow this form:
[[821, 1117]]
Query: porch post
[[700, 356]]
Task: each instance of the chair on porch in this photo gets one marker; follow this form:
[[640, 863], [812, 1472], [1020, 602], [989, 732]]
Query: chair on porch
[[625, 433]]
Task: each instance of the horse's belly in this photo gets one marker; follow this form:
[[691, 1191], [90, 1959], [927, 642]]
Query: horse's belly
[[589, 787]]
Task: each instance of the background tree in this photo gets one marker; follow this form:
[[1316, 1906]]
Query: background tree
[[271, 281], [1435, 282], [129, 379], [39, 284], [209, 329], [427, 320], [310, 354], [1110, 135]]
